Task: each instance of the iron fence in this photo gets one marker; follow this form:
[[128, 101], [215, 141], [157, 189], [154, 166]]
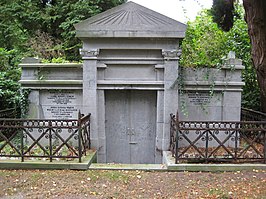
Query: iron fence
[[44, 139], [213, 141], [173, 132], [8, 113], [251, 115]]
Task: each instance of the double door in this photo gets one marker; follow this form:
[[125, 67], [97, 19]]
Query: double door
[[130, 122]]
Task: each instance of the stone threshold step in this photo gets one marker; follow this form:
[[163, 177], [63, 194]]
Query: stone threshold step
[[113, 166]]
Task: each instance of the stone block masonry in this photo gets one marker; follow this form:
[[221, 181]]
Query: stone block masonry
[[129, 83]]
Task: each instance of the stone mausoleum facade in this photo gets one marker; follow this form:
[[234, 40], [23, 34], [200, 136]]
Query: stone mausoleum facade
[[129, 83]]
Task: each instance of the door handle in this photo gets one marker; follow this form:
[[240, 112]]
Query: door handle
[[133, 143], [128, 131]]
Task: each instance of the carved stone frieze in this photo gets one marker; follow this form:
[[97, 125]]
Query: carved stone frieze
[[172, 54]]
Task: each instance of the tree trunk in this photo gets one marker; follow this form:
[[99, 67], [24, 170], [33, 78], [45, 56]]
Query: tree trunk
[[255, 17]]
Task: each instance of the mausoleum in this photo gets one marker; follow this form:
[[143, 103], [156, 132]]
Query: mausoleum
[[129, 83]]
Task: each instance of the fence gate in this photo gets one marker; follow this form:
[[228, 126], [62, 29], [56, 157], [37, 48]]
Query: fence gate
[[130, 126]]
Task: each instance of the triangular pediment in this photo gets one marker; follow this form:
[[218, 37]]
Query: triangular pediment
[[130, 20]]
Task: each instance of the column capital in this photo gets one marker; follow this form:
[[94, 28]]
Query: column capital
[[89, 53], [172, 54]]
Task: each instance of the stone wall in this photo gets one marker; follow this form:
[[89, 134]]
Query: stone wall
[[59, 91], [56, 89], [204, 94], [211, 94]]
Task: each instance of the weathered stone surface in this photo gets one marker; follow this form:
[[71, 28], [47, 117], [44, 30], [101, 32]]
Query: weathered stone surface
[[130, 20], [30, 60], [129, 84], [211, 94], [64, 104], [137, 51]]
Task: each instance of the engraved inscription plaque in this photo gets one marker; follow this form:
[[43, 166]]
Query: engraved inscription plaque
[[60, 105], [197, 98]]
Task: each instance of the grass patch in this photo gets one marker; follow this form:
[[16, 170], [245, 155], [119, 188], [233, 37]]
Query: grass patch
[[5, 173], [219, 193], [36, 177]]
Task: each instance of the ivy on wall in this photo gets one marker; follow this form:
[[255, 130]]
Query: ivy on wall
[[205, 45]]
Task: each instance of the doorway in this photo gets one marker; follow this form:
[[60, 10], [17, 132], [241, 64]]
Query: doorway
[[130, 122]]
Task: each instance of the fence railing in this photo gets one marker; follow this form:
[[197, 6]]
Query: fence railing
[[212, 141], [251, 115], [44, 139], [8, 113]]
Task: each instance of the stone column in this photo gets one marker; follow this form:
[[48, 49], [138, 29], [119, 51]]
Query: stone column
[[90, 90], [171, 58]]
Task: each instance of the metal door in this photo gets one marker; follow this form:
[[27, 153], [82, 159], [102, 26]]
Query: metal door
[[130, 126]]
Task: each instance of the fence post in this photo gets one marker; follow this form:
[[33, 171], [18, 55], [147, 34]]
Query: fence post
[[177, 135], [50, 141], [264, 147], [89, 133], [237, 137], [79, 136], [22, 145], [207, 142]]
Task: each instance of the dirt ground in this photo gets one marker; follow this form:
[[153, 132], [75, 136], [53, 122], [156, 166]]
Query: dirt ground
[[131, 184]]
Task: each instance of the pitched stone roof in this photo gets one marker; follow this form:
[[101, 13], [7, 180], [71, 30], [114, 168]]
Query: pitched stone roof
[[130, 20]]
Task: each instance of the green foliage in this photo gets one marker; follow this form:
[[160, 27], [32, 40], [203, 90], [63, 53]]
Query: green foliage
[[39, 28], [17, 20], [9, 77], [23, 102], [11, 94], [45, 28], [205, 45], [58, 60], [239, 42]]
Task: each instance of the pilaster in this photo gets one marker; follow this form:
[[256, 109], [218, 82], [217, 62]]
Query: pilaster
[[90, 90], [171, 58], [232, 97]]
